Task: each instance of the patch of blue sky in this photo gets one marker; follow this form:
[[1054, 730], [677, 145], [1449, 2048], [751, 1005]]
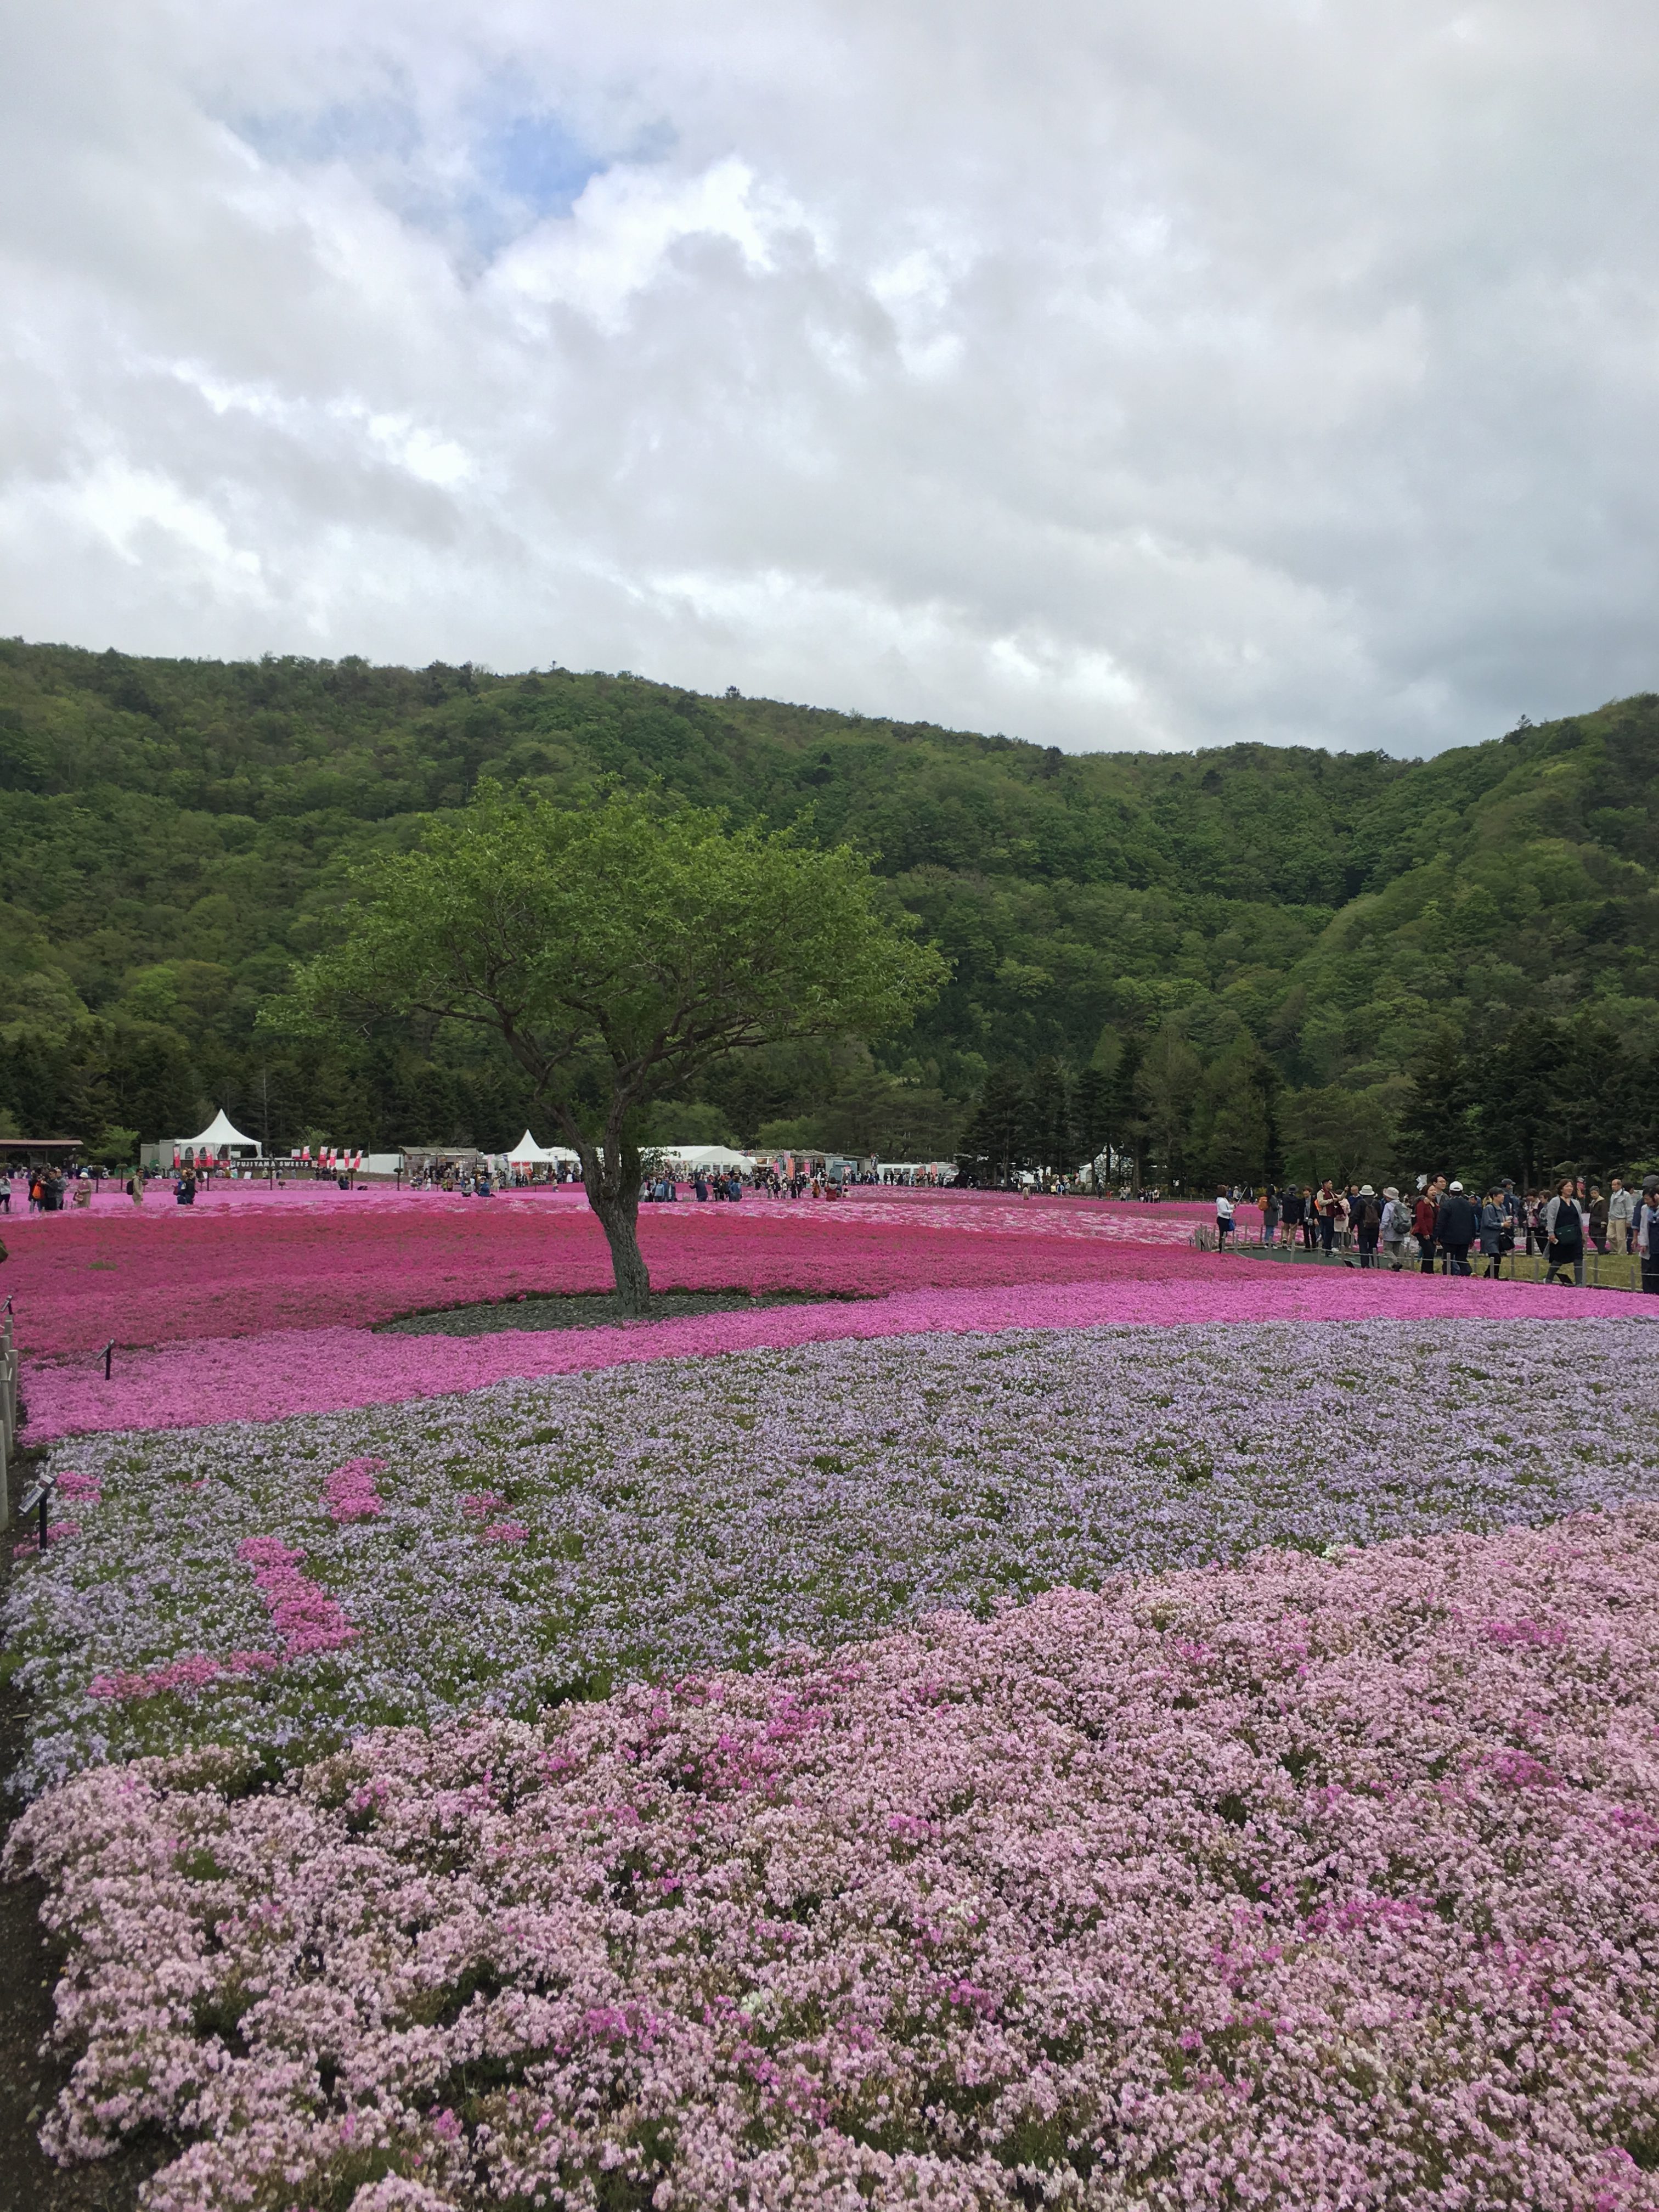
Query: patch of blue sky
[[534, 160], [512, 168], [358, 133]]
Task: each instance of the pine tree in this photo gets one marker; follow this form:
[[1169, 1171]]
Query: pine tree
[[1438, 1127], [1001, 1135]]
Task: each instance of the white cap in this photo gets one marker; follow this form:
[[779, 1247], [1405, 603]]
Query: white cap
[[1457, 1186]]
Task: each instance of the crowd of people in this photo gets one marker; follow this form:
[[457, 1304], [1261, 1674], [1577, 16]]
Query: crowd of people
[[1442, 1226], [49, 1188]]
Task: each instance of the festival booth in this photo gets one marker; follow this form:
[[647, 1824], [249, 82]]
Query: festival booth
[[219, 1144], [713, 1159], [527, 1156]]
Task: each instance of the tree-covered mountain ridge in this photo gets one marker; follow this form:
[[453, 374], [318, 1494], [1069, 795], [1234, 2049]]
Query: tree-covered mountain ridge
[[1297, 923]]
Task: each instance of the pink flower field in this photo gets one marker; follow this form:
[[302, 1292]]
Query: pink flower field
[[1327, 1883], [324, 1369], [250, 1312], [242, 1262]]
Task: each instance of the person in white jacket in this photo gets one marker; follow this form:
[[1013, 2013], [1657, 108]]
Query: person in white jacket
[[1397, 1227]]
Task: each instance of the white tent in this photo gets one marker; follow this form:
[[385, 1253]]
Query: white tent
[[527, 1153], [220, 1135], [706, 1155]]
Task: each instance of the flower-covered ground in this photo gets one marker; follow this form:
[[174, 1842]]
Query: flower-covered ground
[[295, 1371], [544, 1540], [243, 1262], [725, 1760], [1317, 1882]]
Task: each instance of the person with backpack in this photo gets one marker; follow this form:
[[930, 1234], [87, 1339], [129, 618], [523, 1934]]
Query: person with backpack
[[1565, 1225], [1457, 1226], [1365, 1219]]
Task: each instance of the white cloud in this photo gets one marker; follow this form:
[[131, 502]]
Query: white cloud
[[1140, 376]]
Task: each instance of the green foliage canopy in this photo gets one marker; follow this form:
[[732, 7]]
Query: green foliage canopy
[[617, 950], [175, 835]]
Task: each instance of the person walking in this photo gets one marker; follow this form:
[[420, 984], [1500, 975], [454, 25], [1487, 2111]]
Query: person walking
[[1424, 1214], [1647, 1234], [1494, 1233], [1457, 1226], [1397, 1227], [1224, 1218], [1291, 1214], [1365, 1219], [1536, 1201], [1622, 1216], [1270, 1211], [1564, 1225], [1598, 1219]]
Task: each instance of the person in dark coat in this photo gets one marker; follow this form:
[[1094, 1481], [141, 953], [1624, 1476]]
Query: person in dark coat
[[1494, 1233], [1565, 1225], [1457, 1226]]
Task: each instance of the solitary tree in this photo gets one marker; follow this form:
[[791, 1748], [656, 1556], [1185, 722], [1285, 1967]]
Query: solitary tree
[[616, 950]]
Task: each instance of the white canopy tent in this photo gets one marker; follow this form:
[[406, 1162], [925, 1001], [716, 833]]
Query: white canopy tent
[[527, 1153], [221, 1135], [707, 1156]]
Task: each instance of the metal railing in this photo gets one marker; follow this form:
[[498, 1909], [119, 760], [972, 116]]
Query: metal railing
[[1603, 1271]]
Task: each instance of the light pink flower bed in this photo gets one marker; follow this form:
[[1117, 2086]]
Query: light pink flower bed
[[330, 1370], [1312, 1883]]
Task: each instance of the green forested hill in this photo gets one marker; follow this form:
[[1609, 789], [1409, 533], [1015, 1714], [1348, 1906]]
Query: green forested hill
[[1225, 957]]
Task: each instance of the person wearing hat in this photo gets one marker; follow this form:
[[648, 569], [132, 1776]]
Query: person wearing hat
[[1647, 1234], [1397, 1227], [1365, 1219], [1456, 1225]]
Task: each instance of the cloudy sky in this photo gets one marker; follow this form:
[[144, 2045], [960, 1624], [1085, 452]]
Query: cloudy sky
[[1109, 372]]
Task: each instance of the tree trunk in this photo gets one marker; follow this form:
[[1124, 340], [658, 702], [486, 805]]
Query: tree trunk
[[618, 1215], [612, 1185]]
